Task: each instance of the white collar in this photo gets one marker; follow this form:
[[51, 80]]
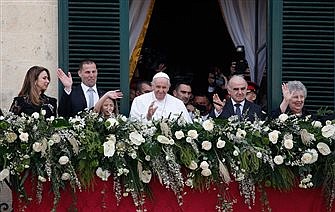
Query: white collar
[[241, 103], [85, 87]]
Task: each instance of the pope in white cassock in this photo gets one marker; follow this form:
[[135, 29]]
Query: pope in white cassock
[[158, 103]]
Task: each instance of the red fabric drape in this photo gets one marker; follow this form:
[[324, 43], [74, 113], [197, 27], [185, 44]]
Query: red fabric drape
[[103, 199]]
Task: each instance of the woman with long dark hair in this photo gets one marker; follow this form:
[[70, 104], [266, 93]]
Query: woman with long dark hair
[[31, 98]]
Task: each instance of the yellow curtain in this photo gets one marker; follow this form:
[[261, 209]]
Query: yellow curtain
[[135, 54]]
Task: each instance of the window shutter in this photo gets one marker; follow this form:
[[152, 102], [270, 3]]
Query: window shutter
[[308, 49], [94, 33]]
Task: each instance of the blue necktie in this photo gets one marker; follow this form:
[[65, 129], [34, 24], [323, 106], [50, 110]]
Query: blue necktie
[[238, 111]]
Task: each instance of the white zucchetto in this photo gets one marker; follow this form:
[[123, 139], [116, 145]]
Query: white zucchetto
[[161, 75]]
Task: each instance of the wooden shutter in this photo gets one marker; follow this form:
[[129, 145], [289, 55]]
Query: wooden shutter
[[94, 32], [97, 30], [308, 49]]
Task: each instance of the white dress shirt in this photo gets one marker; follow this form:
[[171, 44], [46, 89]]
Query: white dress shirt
[[86, 93]]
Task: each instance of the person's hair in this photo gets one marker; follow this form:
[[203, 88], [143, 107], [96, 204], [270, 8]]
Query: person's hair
[[84, 62], [140, 83], [29, 87], [176, 87], [297, 86], [154, 80], [116, 107], [234, 77]]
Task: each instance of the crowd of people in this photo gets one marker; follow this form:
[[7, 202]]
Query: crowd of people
[[224, 97]]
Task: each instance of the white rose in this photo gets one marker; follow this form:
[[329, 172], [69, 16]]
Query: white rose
[[42, 179], [323, 148], [273, 136], [147, 158], [240, 134], [288, 143], [193, 165], [37, 147], [11, 137], [124, 118], [24, 136], [3, 174], [208, 125], [188, 139], [328, 131], [206, 172], [283, 117], [56, 138], [133, 155], [103, 174], [220, 144], [193, 134], [43, 112], [307, 158], [278, 159], [109, 148], [204, 165], [63, 160], [206, 145], [65, 176], [136, 138], [179, 134], [328, 122], [316, 124], [35, 115], [259, 155]]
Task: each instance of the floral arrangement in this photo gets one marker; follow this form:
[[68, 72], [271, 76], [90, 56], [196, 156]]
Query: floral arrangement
[[280, 153]]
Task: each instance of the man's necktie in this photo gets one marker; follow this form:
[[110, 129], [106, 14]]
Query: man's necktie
[[90, 98], [238, 111]]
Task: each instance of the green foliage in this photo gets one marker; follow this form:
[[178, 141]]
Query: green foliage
[[279, 153]]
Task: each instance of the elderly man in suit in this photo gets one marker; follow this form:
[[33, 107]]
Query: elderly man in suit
[[237, 104], [83, 96]]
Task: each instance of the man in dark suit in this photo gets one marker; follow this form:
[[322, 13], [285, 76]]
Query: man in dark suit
[[83, 96], [237, 103]]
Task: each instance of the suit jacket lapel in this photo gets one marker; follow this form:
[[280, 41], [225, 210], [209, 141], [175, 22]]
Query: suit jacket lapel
[[82, 97], [230, 107], [246, 106]]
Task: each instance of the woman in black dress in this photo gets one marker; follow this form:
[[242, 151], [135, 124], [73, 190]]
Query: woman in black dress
[[31, 98]]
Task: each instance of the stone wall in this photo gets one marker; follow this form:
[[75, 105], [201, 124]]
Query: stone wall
[[29, 36]]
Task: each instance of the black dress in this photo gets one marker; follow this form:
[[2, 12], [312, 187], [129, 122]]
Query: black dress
[[22, 104]]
